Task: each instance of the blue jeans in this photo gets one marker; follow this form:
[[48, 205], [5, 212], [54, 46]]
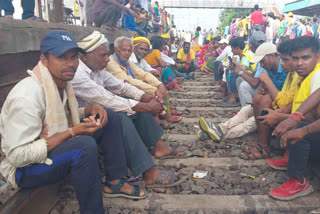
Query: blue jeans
[[231, 81], [217, 74], [301, 152], [27, 6], [141, 32], [140, 132], [179, 74], [79, 156]]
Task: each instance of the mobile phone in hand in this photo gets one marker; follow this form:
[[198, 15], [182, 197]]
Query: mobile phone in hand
[[262, 113], [97, 117], [230, 60]]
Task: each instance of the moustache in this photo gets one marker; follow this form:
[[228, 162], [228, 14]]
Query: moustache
[[68, 69]]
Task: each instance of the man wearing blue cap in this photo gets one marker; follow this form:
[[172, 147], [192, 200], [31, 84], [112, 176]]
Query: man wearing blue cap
[[44, 140]]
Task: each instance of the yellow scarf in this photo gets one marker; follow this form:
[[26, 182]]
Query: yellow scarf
[[249, 57], [303, 92]]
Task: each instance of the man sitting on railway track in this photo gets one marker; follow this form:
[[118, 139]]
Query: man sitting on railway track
[[186, 59], [93, 84], [121, 68], [244, 121], [44, 140]]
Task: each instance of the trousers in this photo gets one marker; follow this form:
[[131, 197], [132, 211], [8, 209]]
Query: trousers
[[78, 156], [27, 6], [240, 124], [140, 133], [301, 152], [245, 91]]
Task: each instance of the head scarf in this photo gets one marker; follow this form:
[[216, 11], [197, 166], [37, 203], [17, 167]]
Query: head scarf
[[165, 36], [93, 41], [139, 40]]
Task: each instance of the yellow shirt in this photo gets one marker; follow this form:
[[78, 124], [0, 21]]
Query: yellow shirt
[[285, 96], [145, 80], [243, 23], [183, 57], [307, 86]]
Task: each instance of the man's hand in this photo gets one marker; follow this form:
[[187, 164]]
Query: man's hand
[[264, 76], [237, 69], [270, 119], [156, 74], [153, 107], [293, 135], [145, 98], [87, 128], [285, 126], [161, 92], [262, 90], [96, 109]]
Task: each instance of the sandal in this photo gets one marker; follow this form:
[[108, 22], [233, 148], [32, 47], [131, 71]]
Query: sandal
[[173, 155], [248, 146], [175, 119], [165, 125], [250, 155], [176, 113], [135, 194], [172, 180]]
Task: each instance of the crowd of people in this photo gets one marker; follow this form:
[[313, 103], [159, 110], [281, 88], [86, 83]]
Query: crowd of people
[[141, 16], [275, 27], [275, 81], [81, 94]]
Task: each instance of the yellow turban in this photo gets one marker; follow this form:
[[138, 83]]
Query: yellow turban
[[91, 42], [139, 40], [165, 36]]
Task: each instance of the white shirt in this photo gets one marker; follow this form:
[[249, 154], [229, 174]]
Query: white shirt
[[142, 64], [223, 57], [21, 122], [104, 89]]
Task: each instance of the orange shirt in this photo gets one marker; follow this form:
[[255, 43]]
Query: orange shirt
[[153, 57]]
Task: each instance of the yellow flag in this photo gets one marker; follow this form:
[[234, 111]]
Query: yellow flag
[[76, 9]]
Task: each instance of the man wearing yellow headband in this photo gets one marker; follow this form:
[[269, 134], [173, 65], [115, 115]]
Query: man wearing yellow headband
[[123, 69], [141, 50]]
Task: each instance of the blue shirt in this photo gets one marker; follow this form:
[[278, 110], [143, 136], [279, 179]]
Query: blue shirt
[[277, 78], [129, 22], [258, 70], [315, 30]]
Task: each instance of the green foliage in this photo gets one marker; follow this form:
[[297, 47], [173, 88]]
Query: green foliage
[[227, 16]]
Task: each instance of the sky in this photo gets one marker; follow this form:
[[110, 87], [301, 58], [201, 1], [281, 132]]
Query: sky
[[189, 19]]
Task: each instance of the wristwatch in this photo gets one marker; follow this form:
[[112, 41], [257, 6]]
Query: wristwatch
[[241, 72]]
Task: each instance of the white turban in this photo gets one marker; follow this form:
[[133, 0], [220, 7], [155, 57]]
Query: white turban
[[94, 40]]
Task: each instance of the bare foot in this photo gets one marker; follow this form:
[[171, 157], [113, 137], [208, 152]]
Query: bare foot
[[178, 88], [150, 176], [161, 149], [126, 188]]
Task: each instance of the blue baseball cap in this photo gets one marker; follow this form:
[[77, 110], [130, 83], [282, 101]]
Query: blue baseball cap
[[57, 43]]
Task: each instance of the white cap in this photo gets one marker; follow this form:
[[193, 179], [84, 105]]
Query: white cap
[[223, 41], [262, 50]]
